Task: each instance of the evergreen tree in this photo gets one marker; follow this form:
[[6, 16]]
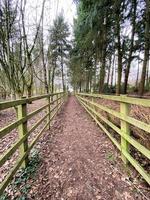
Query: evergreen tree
[[59, 47]]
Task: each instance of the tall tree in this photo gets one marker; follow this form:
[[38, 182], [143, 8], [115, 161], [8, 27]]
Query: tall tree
[[131, 46], [118, 20], [59, 47], [146, 47], [29, 48]]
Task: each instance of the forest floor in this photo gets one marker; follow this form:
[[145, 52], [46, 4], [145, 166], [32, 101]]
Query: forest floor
[[79, 162]]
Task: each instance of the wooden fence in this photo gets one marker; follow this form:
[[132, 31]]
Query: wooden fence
[[53, 104], [88, 102]]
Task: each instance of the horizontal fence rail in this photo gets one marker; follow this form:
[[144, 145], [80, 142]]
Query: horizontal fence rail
[[125, 121], [23, 116]]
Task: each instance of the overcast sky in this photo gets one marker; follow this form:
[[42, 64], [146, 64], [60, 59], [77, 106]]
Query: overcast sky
[[52, 9]]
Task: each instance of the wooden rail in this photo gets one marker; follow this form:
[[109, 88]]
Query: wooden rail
[[21, 123], [124, 130]]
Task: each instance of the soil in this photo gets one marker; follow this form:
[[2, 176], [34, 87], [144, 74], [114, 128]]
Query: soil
[[79, 162]]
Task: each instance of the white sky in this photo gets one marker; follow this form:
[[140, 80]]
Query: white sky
[[52, 9]]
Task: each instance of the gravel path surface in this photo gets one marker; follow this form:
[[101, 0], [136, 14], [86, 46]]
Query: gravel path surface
[[79, 162]]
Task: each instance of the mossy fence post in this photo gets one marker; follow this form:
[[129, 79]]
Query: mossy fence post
[[125, 128], [22, 130]]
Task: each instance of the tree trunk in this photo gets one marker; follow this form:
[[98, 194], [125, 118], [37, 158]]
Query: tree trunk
[[147, 75], [29, 90], [80, 86], [90, 80], [118, 44], [119, 75], [87, 81], [146, 51], [30, 85], [62, 72], [53, 77], [134, 6], [137, 77], [45, 78], [102, 78], [109, 68], [112, 72], [43, 59], [95, 67], [118, 87], [102, 70]]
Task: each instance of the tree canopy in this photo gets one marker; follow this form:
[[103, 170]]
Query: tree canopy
[[109, 37]]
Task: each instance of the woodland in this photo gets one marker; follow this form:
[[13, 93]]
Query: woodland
[[55, 67], [111, 37], [108, 51]]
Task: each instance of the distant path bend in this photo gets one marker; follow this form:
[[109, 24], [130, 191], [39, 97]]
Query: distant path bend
[[80, 162]]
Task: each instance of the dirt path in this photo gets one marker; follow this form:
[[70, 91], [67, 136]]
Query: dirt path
[[79, 162]]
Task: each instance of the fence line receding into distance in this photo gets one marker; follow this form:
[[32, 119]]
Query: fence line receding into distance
[[51, 108], [88, 101]]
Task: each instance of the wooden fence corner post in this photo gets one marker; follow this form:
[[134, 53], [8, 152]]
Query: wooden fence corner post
[[125, 128], [22, 130], [49, 111]]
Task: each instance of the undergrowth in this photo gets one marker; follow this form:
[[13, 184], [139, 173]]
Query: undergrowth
[[20, 186]]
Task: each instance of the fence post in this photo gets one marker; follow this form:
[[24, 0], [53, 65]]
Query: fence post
[[22, 130], [125, 128], [49, 111]]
